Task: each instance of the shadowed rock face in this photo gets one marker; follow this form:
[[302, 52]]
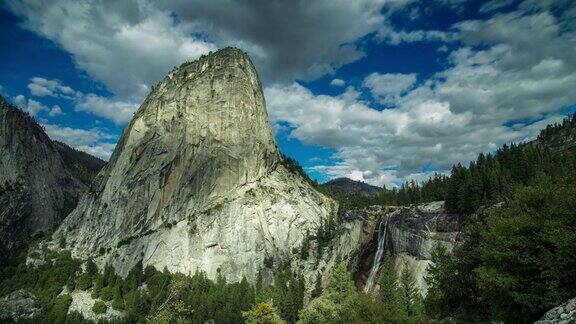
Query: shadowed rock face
[[196, 182], [412, 232], [36, 189]]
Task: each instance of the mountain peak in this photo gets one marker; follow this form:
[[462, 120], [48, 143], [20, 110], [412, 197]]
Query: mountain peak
[[196, 182]]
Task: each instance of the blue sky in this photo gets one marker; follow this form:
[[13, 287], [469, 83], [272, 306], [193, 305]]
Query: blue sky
[[379, 91]]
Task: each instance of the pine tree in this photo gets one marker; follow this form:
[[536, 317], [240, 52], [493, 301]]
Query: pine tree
[[118, 302], [409, 288], [97, 286], [390, 293], [317, 292]]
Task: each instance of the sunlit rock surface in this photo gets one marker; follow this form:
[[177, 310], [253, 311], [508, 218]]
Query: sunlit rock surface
[[197, 183]]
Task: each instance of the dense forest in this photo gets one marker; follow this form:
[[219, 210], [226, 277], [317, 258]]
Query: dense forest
[[148, 295]]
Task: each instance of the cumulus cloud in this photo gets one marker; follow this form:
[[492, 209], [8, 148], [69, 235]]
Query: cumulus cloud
[[496, 77], [144, 39], [395, 37], [388, 87], [41, 87], [55, 111], [92, 141], [292, 39], [494, 5], [117, 110], [114, 109], [514, 67], [337, 83], [127, 45], [31, 106]]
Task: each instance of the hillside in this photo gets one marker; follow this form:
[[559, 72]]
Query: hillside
[[349, 186], [37, 190], [81, 164]]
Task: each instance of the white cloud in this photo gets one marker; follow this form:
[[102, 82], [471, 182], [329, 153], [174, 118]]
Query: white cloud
[[31, 106], [498, 76], [127, 45], [513, 66], [41, 87], [388, 87], [394, 37], [112, 108], [337, 83], [55, 111], [92, 141], [130, 45]]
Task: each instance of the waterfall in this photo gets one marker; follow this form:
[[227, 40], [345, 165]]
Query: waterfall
[[378, 256]]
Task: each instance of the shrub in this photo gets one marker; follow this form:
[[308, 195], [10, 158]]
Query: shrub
[[99, 307], [84, 282], [106, 293]]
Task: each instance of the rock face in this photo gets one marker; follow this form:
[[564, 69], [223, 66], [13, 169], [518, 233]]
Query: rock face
[[36, 189], [19, 305], [197, 183], [349, 186], [412, 232], [83, 166], [563, 314]]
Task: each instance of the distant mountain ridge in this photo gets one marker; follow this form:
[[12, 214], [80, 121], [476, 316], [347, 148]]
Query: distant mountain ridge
[[82, 165], [41, 180], [348, 186]]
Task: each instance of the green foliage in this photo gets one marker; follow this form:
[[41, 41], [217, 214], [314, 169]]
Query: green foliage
[[91, 268], [118, 301], [320, 311], [516, 261], [317, 292], [289, 294], [84, 282], [60, 308], [391, 295], [99, 307], [411, 295], [305, 249], [339, 305], [45, 282], [262, 313], [326, 232], [343, 304]]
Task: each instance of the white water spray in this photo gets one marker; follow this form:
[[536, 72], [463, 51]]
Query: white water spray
[[378, 256]]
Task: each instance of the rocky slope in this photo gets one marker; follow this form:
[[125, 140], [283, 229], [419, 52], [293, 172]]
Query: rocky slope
[[563, 314], [83, 166], [349, 186], [410, 234], [36, 189], [197, 183]]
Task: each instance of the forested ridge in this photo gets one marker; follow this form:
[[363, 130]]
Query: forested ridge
[[490, 179]]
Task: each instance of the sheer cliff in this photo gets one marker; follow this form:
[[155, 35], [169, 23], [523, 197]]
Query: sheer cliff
[[36, 189], [197, 183]]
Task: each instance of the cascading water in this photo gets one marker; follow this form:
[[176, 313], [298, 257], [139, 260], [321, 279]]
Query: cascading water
[[378, 256]]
